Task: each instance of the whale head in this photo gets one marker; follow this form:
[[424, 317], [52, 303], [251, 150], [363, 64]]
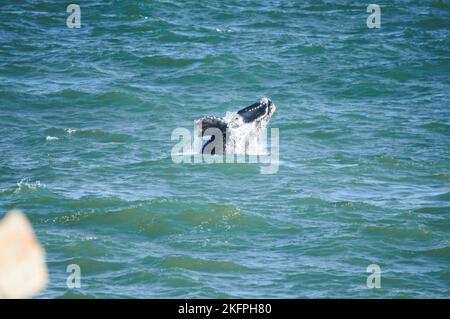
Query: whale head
[[237, 127]]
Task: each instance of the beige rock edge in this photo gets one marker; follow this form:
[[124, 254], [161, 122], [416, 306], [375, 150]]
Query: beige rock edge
[[23, 272]]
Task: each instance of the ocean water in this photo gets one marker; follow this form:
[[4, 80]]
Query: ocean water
[[86, 117]]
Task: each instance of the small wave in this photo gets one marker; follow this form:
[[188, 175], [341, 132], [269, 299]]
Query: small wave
[[433, 210], [439, 252], [309, 49], [156, 217], [442, 176], [321, 135], [167, 61], [438, 127], [88, 238], [68, 93], [397, 232], [27, 184], [51, 138], [266, 24], [433, 23], [93, 133], [117, 98], [443, 197], [439, 4], [198, 264], [91, 265], [70, 131], [103, 135], [224, 30]]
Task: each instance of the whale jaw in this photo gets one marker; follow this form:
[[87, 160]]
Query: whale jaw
[[259, 110]]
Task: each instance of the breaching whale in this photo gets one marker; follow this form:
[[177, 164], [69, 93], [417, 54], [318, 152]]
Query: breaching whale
[[238, 130]]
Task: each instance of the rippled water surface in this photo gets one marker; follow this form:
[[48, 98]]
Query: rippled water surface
[[86, 117]]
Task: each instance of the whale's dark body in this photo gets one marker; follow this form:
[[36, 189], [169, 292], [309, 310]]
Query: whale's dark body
[[255, 117]]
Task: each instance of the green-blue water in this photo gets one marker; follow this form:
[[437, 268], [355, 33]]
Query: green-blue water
[[86, 117]]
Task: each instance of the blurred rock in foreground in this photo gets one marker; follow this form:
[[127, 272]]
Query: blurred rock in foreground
[[23, 272]]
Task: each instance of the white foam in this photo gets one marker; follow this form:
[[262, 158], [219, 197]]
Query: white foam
[[27, 183], [70, 131], [264, 100], [229, 116], [52, 138], [88, 238], [225, 30]]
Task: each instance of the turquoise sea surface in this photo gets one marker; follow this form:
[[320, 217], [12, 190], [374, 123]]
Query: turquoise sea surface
[[86, 117]]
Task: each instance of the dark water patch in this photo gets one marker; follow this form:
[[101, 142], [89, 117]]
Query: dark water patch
[[440, 4], [174, 62], [386, 160], [69, 94], [323, 134], [433, 22], [268, 24], [438, 127], [154, 218], [203, 265], [356, 206], [310, 201], [440, 176], [90, 202], [442, 252], [433, 210], [121, 99], [17, 71], [187, 37], [395, 232], [87, 246], [165, 61], [336, 210], [93, 266], [137, 277], [92, 135], [445, 197], [323, 6], [308, 50], [120, 56]]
